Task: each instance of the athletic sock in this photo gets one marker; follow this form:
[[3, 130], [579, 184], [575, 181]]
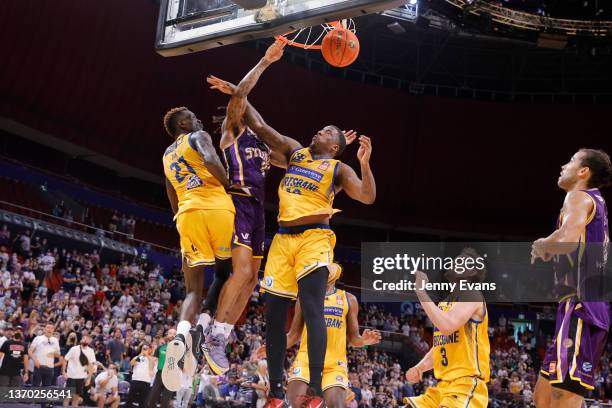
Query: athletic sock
[[227, 329], [183, 328], [204, 320], [218, 328]]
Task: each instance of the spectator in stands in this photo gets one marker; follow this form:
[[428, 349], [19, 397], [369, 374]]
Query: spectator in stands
[[212, 395], [23, 243], [13, 359], [116, 348], [78, 366], [158, 391], [143, 372], [131, 226], [107, 388], [43, 350], [5, 235], [183, 396]]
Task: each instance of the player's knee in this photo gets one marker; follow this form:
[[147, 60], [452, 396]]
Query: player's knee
[[335, 401]]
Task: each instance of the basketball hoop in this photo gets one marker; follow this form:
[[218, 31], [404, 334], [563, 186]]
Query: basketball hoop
[[310, 38]]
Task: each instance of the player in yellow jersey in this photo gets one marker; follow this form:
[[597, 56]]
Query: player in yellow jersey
[[204, 215], [341, 311], [460, 352], [303, 247]]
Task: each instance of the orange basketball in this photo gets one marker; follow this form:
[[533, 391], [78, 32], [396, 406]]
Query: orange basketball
[[340, 47]]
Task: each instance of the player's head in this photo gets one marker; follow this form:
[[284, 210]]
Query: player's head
[[181, 120], [468, 265], [329, 140], [590, 167]]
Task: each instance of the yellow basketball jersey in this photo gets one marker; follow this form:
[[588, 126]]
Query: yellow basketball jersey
[[308, 186], [464, 353], [196, 188], [336, 308]]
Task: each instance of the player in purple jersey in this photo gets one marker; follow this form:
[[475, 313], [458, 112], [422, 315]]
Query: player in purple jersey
[[583, 319], [247, 160]]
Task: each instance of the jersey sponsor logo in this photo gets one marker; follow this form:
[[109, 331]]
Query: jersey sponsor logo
[[339, 300], [333, 311], [587, 367], [193, 182], [296, 370], [324, 166], [552, 367], [443, 339], [268, 281], [304, 172], [244, 235], [340, 379]]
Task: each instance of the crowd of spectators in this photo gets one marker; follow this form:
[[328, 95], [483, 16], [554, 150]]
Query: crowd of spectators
[[66, 304], [120, 223]]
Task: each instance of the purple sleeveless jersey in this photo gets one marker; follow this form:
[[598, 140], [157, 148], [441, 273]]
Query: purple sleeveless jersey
[[247, 161], [583, 323], [583, 272]]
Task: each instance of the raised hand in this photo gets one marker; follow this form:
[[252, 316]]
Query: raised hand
[[365, 149], [275, 51], [221, 85], [420, 280], [371, 337], [350, 136]]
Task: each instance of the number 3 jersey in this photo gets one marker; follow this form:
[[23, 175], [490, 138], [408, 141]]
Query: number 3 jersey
[[463, 353], [308, 186], [196, 188]]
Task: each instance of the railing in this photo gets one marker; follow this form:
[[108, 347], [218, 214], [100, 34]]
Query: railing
[[80, 231]]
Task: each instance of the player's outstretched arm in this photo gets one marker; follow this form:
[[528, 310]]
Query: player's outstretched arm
[[172, 197], [233, 125], [415, 374], [578, 207], [450, 321], [364, 189], [355, 339], [204, 145], [282, 145]]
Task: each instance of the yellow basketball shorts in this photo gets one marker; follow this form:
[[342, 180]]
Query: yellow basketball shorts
[[463, 392], [205, 235], [295, 252], [334, 375]]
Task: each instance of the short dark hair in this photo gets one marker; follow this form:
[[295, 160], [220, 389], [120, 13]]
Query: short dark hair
[[598, 162], [171, 119], [341, 139]]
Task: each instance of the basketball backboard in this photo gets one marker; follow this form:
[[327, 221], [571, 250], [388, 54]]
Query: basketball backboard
[[187, 26]]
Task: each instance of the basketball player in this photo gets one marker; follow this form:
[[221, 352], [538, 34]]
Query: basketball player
[[303, 247], [341, 311], [568, 369], [460, 352], [204, 214], [247, 160]]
